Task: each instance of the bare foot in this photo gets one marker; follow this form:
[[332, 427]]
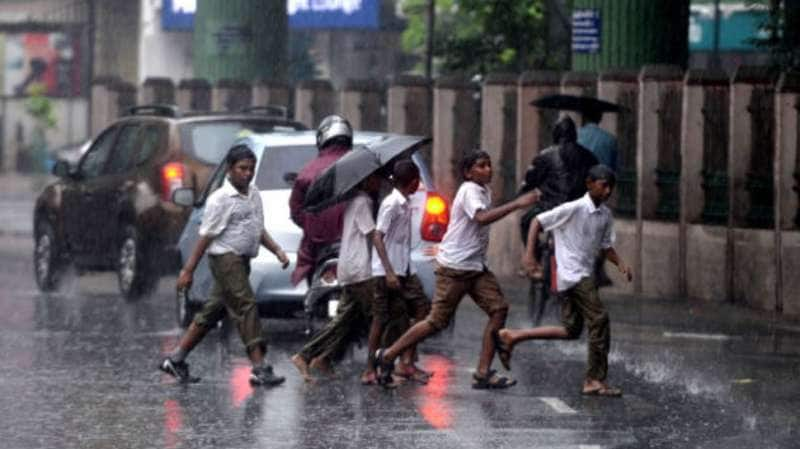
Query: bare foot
[[413, 373], [369, 377], [506, 338], [302, 366], [322, 365]]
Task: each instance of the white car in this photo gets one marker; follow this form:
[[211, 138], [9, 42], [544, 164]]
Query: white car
[[280, 156]]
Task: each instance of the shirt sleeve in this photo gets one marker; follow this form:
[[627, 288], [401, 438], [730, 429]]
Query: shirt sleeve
[[386, 215], [557, 217], [609, 235], [296, 199], [363, 217], [474, 200], [215, 217]]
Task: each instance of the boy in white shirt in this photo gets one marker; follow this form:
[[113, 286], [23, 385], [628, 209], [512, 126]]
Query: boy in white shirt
[[461, 270], [582, 228], [398, 291], [354, 273]]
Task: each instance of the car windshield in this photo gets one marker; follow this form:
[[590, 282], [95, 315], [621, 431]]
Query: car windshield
[[210, 141], [277, 162]]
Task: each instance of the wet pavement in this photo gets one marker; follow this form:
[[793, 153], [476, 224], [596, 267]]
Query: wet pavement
[[78, 370]]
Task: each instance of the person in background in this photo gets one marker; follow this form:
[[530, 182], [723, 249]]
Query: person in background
[[597, 140]]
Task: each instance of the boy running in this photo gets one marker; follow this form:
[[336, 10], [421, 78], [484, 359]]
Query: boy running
[[232, 231], [582, 228], [398, 290], [354, 272], [461, 269]]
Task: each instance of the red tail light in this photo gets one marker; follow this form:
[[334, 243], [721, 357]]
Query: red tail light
[[171, 179], [435, 218]]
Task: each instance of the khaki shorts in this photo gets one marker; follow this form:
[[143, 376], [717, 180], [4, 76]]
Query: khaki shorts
[[407, 302], [452, 285]]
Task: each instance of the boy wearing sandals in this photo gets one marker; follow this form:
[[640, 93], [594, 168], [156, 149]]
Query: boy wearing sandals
[[582, 228], [398, 291], [461, 270]]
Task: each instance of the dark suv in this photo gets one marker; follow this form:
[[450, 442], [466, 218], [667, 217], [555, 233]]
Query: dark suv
[[113, 210]]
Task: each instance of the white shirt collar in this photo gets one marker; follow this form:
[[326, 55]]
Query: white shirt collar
[[230, 190], [400, 197], [587, 200]]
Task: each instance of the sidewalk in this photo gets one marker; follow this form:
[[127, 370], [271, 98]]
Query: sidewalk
[[18, 194], [674, 317]]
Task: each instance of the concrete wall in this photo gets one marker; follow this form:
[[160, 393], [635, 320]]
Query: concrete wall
[[686, 257]]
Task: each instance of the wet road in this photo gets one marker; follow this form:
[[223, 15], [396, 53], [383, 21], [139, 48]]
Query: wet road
[[78, 370]]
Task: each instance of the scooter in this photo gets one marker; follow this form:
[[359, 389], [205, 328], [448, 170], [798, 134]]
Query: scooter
[[322, 298]]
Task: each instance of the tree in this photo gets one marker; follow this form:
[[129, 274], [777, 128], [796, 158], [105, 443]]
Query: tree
[[481, 36], [783, 32]]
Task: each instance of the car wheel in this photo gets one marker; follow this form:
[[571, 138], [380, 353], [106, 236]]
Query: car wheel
[[185, 309], [134, 277], [48, 265]]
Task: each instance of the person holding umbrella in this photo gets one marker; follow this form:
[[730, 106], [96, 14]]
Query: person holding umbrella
[[352, 180], [597, 140], [354, 273]]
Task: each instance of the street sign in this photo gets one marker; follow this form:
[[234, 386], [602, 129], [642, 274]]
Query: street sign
[[587, 28]]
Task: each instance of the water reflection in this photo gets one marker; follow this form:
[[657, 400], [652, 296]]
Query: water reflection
[[173, 423], [435, 407]]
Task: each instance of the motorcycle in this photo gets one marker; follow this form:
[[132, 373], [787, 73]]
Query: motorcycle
[[324, 292]]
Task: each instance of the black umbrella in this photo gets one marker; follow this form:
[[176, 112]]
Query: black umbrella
[[338, 181], [576, 103]]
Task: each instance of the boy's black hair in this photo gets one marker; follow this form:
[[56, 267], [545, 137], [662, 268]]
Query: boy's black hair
[[471, 158], [237, 153], [603, 172], [404, 172]]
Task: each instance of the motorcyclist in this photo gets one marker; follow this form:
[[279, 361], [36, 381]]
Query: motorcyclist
[[559, 172], [334, 139]]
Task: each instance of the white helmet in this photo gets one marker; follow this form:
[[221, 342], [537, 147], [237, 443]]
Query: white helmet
[[333, 126]]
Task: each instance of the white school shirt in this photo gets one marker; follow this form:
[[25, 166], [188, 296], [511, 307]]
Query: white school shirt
[[354, 254], [234, 221], [581, 230], [394, 221], [464, 244]]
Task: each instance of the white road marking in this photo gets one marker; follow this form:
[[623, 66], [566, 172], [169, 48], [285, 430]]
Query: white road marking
[[559, 406], [697, 336]]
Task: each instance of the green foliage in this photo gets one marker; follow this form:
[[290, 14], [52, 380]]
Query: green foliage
[[40, 107], [480, 36], [783, 37]]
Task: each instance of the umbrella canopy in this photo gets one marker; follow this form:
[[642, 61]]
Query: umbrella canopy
[[575, 103], [339, 181]]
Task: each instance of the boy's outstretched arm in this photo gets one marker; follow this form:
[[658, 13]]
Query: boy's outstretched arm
[[274, 248], [391, 278], [489, 216], [614, 258]]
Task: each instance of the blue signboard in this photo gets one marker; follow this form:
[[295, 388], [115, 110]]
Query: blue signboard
[[586, 30], [178, 15], [739, 26], [304, 14]]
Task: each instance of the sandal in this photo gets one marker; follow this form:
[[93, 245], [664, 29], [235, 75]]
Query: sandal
[[415, 374], [608, 392], [503, 350], [383, 368], [492, 381]]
